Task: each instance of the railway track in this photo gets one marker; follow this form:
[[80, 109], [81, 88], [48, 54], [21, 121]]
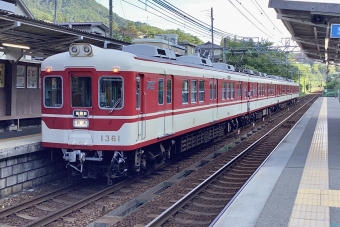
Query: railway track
[[59, 205], [49, 207]]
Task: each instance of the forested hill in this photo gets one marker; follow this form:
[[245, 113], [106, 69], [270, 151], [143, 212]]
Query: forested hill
[[92, 11]]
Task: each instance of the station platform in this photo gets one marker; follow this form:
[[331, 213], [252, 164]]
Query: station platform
[[16, 143], [299, 184]]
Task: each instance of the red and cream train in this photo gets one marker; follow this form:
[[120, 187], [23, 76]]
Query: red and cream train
[[113, 112]]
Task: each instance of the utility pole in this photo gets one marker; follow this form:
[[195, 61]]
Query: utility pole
[[287, 62], [212, 36], [110, 18], [299, 83], [55, 11], [224, 50]]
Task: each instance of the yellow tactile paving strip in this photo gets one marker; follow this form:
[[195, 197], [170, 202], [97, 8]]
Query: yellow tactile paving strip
[[314, 198]]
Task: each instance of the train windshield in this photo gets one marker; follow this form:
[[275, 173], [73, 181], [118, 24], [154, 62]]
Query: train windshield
[[53, 92], [111, 92], [81, 91]]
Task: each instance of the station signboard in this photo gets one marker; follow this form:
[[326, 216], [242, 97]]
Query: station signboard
[[335, 31]]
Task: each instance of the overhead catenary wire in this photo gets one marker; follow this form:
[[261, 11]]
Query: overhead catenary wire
[[179, 17], [170, 17], [122, 8], [161, 17], [167, 7], [204, 27], [268, 17], [254, 17], [190, 18], [197, 31], [249, 19]]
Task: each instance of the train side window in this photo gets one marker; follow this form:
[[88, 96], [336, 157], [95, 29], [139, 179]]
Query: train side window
[[185, 91], [232, 90], [138, 93], [245, 90], [193, 91], [215, 89], [53, 90], [239, 90], [201, 91], [224, 90], [228, 91], [263, 89], [211, 90], [110, 92], [168, 92], [160, 91]]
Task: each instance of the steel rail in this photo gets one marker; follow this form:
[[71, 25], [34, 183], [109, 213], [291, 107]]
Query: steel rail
[[79, 204], [40, 199]]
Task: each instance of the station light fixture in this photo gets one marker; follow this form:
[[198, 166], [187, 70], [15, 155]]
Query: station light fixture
[[16, 46]]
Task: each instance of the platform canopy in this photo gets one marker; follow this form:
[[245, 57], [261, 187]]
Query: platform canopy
[[40, 38], [314, 25]]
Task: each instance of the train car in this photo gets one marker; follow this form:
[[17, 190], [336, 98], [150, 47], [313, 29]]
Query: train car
[[114, 112]]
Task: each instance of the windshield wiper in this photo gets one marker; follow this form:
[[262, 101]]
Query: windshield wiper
[[115, 105]]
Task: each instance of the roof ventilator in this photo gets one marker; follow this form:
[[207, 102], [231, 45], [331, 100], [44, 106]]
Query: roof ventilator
[[195, 60], [150, 51], [223, 66]]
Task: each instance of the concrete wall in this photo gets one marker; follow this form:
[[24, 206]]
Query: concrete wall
[[31, 169]]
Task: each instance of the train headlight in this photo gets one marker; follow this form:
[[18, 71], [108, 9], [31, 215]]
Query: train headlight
[[74, 50], [87, 49], [80, 50], [80, 123]]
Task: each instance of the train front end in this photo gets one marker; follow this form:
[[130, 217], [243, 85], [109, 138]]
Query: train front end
[[83, 109]]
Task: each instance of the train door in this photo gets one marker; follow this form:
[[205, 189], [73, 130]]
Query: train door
[[165, 100], [213, 99], [215, 116], [83, 93], [140, 107], [168, 105], [245, 100], [239, 97]]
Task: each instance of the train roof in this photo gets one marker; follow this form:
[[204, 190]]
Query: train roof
[[142, 57]]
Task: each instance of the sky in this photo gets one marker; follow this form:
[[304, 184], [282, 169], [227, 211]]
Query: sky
[[261, 22]]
